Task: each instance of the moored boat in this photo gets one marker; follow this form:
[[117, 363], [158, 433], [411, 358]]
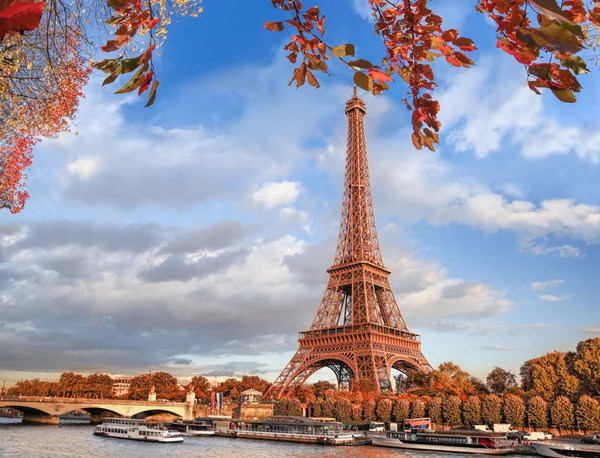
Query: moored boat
[[432, 441], [133, 429], [289, 429], [198, 427], [566, 449]]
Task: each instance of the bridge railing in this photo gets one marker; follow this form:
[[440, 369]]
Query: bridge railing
[[57, 400]]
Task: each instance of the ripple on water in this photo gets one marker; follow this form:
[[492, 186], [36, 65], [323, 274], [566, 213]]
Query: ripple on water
[[35, 441]]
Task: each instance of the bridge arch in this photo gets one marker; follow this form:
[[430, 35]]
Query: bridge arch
[[27, 410], [151, 412]]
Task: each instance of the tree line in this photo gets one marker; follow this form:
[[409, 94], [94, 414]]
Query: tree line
[[166, 386], [557, 389]]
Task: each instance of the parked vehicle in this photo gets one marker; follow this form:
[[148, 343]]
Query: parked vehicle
[[591, 439], [534, 436], [548, 436], [377, 426], [482, 428], [515, 435]]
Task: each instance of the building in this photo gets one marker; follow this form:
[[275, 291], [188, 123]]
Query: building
[[120, 387], [251, 396]]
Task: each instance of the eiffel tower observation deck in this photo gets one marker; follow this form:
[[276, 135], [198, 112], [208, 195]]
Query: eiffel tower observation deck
[[358, 331]]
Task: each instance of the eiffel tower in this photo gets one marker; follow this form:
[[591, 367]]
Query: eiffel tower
[[358, 330]]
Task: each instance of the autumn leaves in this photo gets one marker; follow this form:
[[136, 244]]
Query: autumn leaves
[[413, 38]]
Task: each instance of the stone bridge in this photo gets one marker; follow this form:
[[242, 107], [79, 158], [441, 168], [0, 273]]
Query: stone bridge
[[48, 410]]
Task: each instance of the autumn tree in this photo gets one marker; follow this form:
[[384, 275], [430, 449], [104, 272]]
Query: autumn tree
[[451, 410], [287, 407], [99, 386], [549, 376], [491, 409], [471, 411], [586, 364], [342, 409], [46, 52], [201, 387], [384, 410], [400, 410], [140, 386], [357, 412], [253, 382], [368, 412], [417, 409], [514, 410], [499, 380], [321, 387], [537, 412], [327, 408], [435, 410], [317, 408], [34, 387], [447, 379], [561, 413], [71, 385], [165, 385], [42, 73], [588, 413]]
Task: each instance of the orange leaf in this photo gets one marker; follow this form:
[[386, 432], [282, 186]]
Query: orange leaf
[[274, 26], [379, 75]]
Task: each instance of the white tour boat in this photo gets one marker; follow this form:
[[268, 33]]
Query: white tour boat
[[433, 441], [140, 430], [566, 449]]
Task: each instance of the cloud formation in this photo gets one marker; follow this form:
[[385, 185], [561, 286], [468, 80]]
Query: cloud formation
[[544, 285], [552, 298]]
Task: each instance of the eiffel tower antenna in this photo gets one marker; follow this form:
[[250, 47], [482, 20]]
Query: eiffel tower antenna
[[358, 330]]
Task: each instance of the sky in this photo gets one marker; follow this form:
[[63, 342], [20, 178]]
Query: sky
[[194, 236]]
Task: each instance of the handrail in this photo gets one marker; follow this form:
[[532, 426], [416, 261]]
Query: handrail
[[353, 329]]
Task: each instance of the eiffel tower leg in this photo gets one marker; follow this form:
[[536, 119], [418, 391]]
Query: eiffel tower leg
[[287, 376]]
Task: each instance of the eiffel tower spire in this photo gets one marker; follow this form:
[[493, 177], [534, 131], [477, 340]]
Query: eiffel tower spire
[[358, 330]]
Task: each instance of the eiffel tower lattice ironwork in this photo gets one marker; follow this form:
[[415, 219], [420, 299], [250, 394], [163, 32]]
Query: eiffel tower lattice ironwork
[[358, 330]]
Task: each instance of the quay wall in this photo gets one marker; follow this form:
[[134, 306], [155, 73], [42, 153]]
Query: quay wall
[[255, 411], [243, 412]]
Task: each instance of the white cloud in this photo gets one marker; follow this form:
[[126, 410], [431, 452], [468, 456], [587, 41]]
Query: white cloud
[[454, 298], [543, 285], [84, 167], [552, 298], [276, 194], [479, 116], [592, 330], [562, 251], [363, 9]]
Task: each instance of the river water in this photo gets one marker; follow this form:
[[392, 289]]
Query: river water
[[76, 440]]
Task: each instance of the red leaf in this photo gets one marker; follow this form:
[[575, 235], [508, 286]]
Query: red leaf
[[379, 75], [20, 17], [146, 82]]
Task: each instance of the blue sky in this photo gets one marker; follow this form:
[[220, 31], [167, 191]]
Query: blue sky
[[194, 236]]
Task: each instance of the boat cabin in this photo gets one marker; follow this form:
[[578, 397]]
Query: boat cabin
[[291, 425], [417, 423]]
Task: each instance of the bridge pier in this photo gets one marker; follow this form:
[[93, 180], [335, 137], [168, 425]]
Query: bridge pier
[[41, 419]]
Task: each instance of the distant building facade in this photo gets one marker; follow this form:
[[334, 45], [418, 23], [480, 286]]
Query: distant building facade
[[251, 396], [120, 387]]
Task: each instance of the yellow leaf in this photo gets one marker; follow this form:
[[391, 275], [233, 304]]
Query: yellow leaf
[[363, 81], [343, 50]]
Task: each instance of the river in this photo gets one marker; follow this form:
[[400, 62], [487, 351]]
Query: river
[[76, 440]]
